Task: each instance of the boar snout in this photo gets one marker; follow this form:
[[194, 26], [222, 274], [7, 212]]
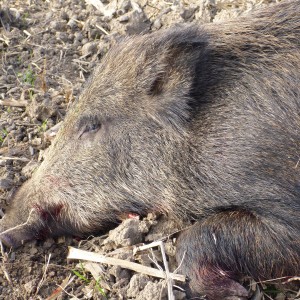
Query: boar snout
[[26, 220], [14, 235]]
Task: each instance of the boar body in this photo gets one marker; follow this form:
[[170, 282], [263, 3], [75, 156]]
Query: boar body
[[200, 123]]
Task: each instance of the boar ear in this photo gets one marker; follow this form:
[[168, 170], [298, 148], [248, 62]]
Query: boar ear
[[173, 79], [175, 68]]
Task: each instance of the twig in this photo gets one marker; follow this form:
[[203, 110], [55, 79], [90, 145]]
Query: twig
[[34, 64], [27, 124], [14, 158], [86, 255], [81, 61], [288, 279], [102, 29], [168, 279], [182, 259], [16, 149], [44, 275], [61, 288], [164, 257], [293, 279], [4, 259], [27, 33], [13, 103], [101, 7]]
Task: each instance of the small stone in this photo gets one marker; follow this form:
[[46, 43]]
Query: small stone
[[157, 24], [58, 25], [153, 291], [144, 226], [33, 251], [280, 296], [10, 70], [127, 234], [72, 24], [36, 141], [121, 12], [64, 16], [48, 243], [52, 274], [188, 13], [89, 48], [120, 273], [29, 168], [170, 248], [12, 256], [125, 5], [78, 36], [63, 36], [123, 19], [121, 283], [51, 133], [95, 33], [49, 15], [137, 6], [76, 44], [137, 283], [84, 41], [139, 23], [6, 184], [179, 295], [31, 150], [11, 127], [61, 240], [29, 286]]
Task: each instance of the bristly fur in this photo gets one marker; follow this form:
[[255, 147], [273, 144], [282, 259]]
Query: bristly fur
[[197, 122]]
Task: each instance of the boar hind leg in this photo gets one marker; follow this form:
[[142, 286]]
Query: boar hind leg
[[229, 244]]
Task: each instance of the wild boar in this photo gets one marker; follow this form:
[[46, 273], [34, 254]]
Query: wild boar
[[197, 122]]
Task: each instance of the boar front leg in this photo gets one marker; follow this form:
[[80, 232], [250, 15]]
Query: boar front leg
[[229, 244]]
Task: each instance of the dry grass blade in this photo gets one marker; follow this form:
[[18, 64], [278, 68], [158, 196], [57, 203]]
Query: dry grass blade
[[14, 158], [102, 29], [106, 10], [14, 103], [4, 259], [294, 279], [57, 292], [44, 275], [169, 280], [89, 256]]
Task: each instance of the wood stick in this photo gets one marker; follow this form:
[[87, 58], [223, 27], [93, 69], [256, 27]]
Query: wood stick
[[13, 103], [90, 256], [14, 158]]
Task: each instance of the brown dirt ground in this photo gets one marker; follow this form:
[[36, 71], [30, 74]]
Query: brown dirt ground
[[47, 50]]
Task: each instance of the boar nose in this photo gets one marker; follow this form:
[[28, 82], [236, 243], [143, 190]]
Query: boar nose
[[8, 241], [14, 236]]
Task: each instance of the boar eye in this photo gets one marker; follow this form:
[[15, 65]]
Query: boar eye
[[90, 129]]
